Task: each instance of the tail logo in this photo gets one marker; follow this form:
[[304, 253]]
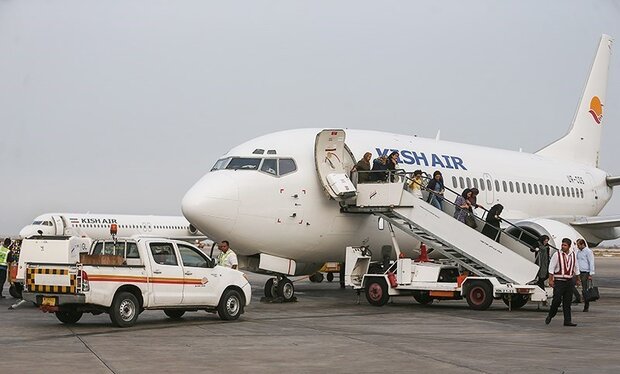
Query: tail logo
[[596, 109]]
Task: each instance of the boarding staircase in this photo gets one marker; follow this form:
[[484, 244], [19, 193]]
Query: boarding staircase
[[391, 200]]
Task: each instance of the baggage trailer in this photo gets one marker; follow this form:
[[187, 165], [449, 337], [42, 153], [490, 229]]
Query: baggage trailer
[[428, 281]]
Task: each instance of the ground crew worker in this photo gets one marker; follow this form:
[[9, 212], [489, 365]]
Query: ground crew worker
[[4, 253], [585, 259], [227, 257], [563, 267]]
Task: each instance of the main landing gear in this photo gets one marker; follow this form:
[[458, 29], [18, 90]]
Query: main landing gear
[[279, 289]]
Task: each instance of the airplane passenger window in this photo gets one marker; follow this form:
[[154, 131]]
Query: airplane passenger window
[[475, 182], [220, 164], [192, 258], [504, 185], [523, 186], [553, 191], [547, 190], [468, 182], [243, 163], [489, 186], [518, 187], [481, 184], [581, 193], [163, 253], [572, 192], [270, 166], [542, 190], [535, 189], [286, 166], [557, 190], [462, 182], [454, 182], [512, 189], [529, 188], [497, 185], [563, 191]]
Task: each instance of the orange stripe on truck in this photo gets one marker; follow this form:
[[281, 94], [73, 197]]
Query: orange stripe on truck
[[141, 279]]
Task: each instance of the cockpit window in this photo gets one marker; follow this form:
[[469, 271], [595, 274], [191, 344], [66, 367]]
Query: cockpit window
[[47, 223], [220, 164], [287, 166], [270, 166], [37, 222], [243, 163]]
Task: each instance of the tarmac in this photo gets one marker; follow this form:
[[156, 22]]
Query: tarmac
[[326, 330]]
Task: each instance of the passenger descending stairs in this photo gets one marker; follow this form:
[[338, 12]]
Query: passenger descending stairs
[[458, 242]]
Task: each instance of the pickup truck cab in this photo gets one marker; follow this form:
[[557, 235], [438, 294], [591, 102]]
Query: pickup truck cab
[[125, 277]]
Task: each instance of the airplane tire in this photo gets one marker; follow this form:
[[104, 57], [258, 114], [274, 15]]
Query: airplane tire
[[174, 313], [479, 295], [377, 292], [68, 317], [124, 310], [330, 277], [286, 290], [15, 291], [231, 306], [518, 301], [270, 289], [422, 297]]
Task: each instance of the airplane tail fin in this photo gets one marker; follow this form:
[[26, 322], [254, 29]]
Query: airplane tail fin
[[583, 141]]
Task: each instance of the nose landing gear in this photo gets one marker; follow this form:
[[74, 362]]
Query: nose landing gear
[[279, 289]]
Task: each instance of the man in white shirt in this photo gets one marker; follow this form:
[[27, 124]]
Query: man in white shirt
[[585, 260], [227, 257], [563, 267]]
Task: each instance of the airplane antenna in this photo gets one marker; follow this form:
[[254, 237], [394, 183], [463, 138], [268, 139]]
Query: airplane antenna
[[438, 135]]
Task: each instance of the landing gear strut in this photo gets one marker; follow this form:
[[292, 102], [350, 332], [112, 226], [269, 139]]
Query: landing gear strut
[[280, 288]]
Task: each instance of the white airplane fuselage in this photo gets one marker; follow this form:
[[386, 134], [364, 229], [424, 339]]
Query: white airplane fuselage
[[292, 217], [97, 226]]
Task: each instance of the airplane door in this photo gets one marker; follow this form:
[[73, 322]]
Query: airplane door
[[489, 189], [59, 225], [333, 161], [591, 188]]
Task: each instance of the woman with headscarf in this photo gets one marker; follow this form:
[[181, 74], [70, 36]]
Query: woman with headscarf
[[363, 168], [392, 163], [435, 190], [462, 205], [491, 227], [542, 260]]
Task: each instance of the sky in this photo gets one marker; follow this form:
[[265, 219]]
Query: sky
[[121, 106]]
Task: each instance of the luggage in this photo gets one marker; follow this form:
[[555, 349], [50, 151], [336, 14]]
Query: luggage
[[591, 294]]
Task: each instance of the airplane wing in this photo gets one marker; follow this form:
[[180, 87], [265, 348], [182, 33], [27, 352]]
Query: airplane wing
[[604, 228]]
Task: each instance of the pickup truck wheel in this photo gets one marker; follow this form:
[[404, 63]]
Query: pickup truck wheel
[[16, 291], [230, 306], [479, 295], [69, 317], [377, 292], [174, 313], [124, 310]]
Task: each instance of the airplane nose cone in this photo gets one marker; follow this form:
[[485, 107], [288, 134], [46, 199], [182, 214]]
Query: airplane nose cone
[[212, 205], [26, 232]]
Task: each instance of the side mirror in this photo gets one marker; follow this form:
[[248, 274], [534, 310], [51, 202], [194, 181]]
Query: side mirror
[[211, 263], [380, 223]]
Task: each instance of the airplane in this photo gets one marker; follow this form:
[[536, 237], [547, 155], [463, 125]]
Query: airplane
[[97, 226], [267, 197]]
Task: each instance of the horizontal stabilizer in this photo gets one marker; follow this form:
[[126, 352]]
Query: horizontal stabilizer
[[613, 181]]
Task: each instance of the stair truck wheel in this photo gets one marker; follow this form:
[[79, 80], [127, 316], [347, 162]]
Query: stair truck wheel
[[270, 289], [230, 306], [124, 310], [422, 297], [68, 317], [479, 295], [330, 277], [174, 313], [518, 301], [377, 292], [286, 289]]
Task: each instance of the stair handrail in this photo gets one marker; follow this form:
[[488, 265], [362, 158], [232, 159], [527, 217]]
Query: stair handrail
[[428, 178]]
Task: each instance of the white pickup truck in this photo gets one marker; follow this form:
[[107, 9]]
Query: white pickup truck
[[129, 276]]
